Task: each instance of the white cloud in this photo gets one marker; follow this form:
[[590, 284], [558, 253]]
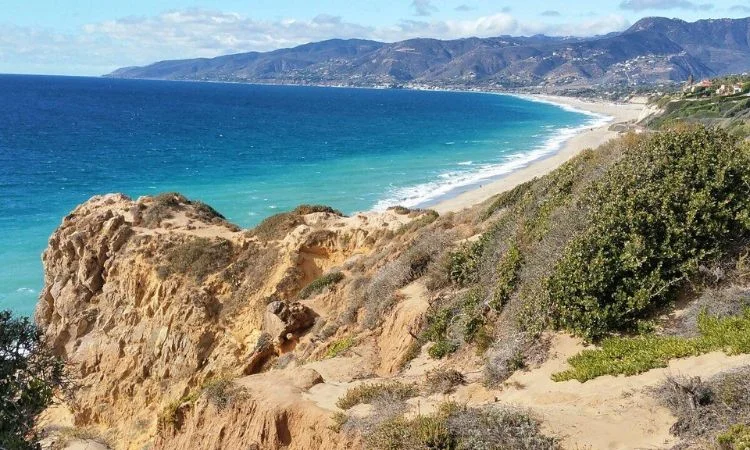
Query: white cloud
[[423, 7], [101, 47]]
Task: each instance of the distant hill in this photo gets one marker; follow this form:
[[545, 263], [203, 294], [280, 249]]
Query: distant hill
[[653, 50]]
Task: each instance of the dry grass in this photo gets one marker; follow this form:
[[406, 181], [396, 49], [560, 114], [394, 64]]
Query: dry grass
[[197, 257], [705, 410], [443, 381], [371, 392], [460, 428]]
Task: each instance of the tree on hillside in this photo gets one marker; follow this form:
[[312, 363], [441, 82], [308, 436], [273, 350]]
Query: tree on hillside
[[29, 375]]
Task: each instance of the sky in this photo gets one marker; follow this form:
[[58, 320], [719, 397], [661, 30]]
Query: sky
[[94, 37]]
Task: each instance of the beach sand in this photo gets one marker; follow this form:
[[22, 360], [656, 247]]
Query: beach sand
[[592, 138]]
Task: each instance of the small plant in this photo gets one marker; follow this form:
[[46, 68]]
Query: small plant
[[339, 420], [198, 257], [340, 347], [507, 277], [631, 356], [367, 393], [442, 348], [402, 210], [444, 381], [737, 437], [320, 283], [426, 218], [222, 392]]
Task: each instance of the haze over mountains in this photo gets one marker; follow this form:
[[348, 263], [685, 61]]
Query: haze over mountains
[[653, 50]]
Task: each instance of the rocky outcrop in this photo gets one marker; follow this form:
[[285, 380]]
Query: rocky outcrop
[[150, 299], [269, 412]]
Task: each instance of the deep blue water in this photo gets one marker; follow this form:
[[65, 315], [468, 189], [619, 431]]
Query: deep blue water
[[249, 151]]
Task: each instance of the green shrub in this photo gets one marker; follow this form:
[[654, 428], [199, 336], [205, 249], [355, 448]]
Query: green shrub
[[463, 264], [442, 348], [667, 206], [367, 393], [29, 376], [321, 283], [737, 437], [339, 347], [507, 198], [631, 356], [507, 276]]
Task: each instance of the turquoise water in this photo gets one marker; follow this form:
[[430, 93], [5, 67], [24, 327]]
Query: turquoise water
[[249, 151]]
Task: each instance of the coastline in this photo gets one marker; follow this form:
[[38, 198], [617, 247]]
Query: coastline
[[591, 138]]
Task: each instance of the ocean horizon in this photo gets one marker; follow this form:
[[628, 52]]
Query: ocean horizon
[[250, 151]]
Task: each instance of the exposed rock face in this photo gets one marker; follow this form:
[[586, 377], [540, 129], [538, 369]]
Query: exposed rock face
[[272, 414], [149, 299]]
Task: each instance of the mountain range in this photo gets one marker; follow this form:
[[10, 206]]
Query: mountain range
[[653, 50]]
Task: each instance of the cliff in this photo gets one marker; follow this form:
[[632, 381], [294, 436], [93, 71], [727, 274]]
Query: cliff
[[149, 299]]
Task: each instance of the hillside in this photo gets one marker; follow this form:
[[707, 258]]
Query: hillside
[[408, 329], [654, 50]]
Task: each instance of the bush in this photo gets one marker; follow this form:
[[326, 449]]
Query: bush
[[29, 375], [321, 283], [463, 264], [222, 392], [367, 393], [709, 412], [198, 257], [668, 205], [442, 348], [444, 381], [460, 428], [339, 347], [161, 208], [737, 437], [631, 356], [507, 276], [302, 210]]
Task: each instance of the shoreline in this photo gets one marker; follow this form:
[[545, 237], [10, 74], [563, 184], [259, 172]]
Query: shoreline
[[615, 113]]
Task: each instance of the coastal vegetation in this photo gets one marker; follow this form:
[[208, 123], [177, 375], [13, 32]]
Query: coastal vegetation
[[30, 374], [599, 247], [634, 355], [454, 426], [321, 283]]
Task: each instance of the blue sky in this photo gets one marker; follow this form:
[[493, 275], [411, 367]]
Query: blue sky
[[87, 37]]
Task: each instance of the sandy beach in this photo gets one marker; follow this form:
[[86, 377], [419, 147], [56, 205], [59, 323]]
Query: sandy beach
[[619, 112]]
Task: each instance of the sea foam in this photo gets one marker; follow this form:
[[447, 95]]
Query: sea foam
[[455, 181]]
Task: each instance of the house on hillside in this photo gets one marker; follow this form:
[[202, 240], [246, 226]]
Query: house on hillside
[[705, 84]]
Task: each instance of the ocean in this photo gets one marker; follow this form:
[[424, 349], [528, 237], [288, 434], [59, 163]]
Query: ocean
[[250, 151]]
